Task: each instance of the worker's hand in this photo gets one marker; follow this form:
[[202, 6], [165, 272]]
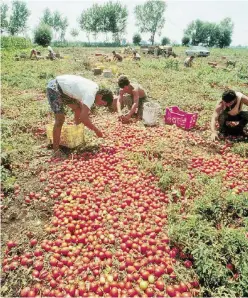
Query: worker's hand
[[232, 123], [125, 119], [214, 136], [99, 133], [120, 117]]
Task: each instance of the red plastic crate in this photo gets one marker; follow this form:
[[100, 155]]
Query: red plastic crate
[[173, 115]]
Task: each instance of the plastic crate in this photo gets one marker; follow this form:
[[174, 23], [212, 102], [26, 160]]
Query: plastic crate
[[185, 120], [71, 135]]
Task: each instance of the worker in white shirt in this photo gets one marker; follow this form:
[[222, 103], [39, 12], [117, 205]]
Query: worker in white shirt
[[79, 94], [51, 54], [136, 56]]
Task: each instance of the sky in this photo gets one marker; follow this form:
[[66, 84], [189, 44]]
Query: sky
[[178, 15]]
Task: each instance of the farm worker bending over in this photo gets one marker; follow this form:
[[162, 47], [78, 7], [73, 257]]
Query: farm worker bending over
[[117, 57], [51, 54], [79, 94], [135, 101], [35, 53], [188, 61], [136, 56], [229, 115]]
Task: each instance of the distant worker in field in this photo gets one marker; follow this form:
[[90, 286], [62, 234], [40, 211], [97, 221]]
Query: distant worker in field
[[51, 53], [229, 116], [134, 102], [79, 94], [117, 57], [188, 61], [36, 54], [136, 56]]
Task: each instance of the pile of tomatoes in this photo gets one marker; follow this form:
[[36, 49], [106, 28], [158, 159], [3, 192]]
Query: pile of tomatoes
[[108, 233]]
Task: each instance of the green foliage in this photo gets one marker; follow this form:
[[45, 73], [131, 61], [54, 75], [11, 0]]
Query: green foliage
[[109, 17], [243, 71], [210, 34], [7, 179], [225, 31], [47, 17], [18, 17], [3, 10], [15, 42], [63, 26], [43, 35], [185, 40], [90, 20], [115, 15], [165, 41], [74, 32], [169, 63], [210, 234], [66, 44], [56, 21], [136, 39], [240, 149], [150, 17]]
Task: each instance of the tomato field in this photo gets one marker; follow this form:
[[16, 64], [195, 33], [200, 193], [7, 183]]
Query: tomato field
[[144, 212]]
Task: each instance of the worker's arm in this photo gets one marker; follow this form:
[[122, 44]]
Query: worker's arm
[[119, 101], [135, 105], [85, 119], [214, 120], [244, 99]]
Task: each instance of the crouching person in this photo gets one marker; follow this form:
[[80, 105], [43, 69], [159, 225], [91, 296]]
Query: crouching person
[[229, 116], [51, 54], [188, 61], [79, 94], [132, 96]]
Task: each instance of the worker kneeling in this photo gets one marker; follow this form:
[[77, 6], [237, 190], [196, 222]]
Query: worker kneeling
[[229, 115]]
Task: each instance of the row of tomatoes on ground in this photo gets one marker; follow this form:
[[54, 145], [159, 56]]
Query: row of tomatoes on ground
[[143, 275], [67, 261], [74, 224], [137, 283], [235, 170]]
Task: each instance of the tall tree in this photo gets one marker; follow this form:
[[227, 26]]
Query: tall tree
[[47, 17], [43, 34], [63, 26], [109, 17], [136, 39], [150, 17], [57, 18], [185, 40], [196, 31], [225, 32], [3, 10], [56, 22], [90, 20], [114, 15], [210, 34], [165, 40], [18, 18], [74, 33]]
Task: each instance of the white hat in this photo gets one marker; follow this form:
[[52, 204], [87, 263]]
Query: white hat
[[49, 48]]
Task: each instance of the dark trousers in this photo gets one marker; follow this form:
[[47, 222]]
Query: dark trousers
[[241, 117]]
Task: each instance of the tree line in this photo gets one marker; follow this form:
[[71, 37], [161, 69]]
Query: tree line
[[209, 34], [110, 19]]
